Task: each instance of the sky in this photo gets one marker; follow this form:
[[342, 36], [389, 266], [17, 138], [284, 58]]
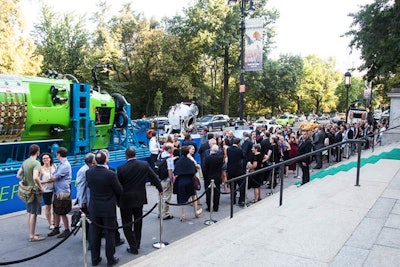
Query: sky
[[305, 26]]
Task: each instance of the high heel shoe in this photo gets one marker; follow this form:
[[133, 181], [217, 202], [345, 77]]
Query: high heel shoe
[[183, 218], [198, 213]]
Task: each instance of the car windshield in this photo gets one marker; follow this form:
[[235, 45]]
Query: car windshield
[[283, 117], [205, 118]]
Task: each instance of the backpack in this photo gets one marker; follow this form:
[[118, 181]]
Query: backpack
[[160, 167]]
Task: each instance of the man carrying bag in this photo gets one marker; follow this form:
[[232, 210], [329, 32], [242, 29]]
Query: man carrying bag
[[29, 173]]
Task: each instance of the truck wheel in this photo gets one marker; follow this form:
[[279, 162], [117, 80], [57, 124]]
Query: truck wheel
[[121, 119], [119, 102]]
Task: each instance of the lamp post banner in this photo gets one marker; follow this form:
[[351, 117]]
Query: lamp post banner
[[367, 90], [254, 44]]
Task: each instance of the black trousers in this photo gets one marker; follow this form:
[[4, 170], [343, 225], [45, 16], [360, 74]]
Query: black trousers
[[240, 185], [217, 194], [95, 237], [128, 215], [306, 173]]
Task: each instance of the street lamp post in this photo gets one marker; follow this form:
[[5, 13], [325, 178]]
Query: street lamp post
[[242, 86], [347, 83]]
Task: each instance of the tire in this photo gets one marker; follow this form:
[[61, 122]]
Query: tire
[[121, 119], [119, 102]]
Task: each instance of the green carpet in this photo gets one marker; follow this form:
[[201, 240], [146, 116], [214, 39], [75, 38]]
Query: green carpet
[[394, 154]]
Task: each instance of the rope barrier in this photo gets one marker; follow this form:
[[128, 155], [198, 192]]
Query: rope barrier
[[125, 225], [189, 202], [42, 253]]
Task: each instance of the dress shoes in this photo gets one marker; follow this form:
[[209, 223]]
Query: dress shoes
[[119, 242], [114, 261], [133, 251], [317, 168], [241, 204], [96, 262]]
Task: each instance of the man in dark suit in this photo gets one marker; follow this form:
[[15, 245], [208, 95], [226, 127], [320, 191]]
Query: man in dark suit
[[187, 141], [235, 169], [212, 169], [247, 145], [203, 147], [337, 139], [304, 148], [132, 175], [319, 142], [105, 189]]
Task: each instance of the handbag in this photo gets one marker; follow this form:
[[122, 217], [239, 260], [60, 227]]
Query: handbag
[[62, 203], [27, 193], [196, 183]]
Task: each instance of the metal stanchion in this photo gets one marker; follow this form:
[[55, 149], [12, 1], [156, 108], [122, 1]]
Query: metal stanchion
[[297, 171], [160, 244], [245, 190], [211, 221], [83, 225]]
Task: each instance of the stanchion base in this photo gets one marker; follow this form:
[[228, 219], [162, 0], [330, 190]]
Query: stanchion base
[[159, 245], [209, 222]]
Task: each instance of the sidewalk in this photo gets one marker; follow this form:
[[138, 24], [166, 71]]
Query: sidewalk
[[327, 222]]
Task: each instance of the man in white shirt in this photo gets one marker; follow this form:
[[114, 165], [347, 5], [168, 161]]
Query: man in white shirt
[[155, 148]]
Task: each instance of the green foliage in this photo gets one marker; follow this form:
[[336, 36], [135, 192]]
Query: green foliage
[[318, 85], [274, 90], [17, 51], [62, 42], [376, 33]]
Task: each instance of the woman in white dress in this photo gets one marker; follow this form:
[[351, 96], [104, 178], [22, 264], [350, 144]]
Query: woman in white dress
[[48, 167]]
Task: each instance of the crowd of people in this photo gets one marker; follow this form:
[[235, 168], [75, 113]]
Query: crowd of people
[[223, 156]]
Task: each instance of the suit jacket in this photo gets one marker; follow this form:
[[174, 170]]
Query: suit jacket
[[104, 191], [133, 175], [304, 148], [338, 137], [202, 151], [212, 167], [246, 149], [319, 139], [235, 161]]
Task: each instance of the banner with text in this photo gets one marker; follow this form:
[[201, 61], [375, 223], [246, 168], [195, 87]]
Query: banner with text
[[254, 45], [368, 90]]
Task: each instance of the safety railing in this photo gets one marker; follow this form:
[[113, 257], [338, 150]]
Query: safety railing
[[243, 179]]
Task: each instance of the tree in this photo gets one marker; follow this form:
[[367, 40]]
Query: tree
[[318, 84], [275, 88], [17, 51], [62, 42], [376, 33]]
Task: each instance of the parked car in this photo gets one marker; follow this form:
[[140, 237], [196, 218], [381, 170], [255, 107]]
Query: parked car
[[260, 122], [159, 122], [286, 119], [212, 122], [272, 124], [238, 123], [377, 114], [385, 115], [231, 121]]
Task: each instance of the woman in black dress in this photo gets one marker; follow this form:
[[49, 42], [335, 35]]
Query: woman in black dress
[[255, 181], [183, 185]]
